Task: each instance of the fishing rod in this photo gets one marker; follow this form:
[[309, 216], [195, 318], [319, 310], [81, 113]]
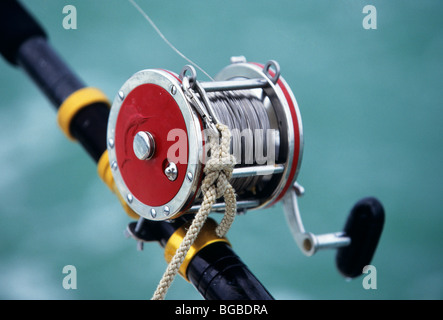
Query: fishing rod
[[82, 113], [151, 146]]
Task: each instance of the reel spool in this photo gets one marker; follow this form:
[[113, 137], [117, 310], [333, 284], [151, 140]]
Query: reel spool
[[158, 126]]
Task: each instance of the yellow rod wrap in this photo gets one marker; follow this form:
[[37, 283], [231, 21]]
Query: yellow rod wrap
[[206, 237], [104, 172], [74, 103]]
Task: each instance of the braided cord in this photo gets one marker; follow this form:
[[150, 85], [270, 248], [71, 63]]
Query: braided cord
[[218, 171]]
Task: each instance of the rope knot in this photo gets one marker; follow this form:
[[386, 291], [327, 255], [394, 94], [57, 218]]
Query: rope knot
[[218, 169]]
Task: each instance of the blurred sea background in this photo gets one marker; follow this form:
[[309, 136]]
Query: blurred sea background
[[371, 106]]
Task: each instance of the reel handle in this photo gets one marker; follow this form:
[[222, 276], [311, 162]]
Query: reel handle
[[356, 244], [364, 227]]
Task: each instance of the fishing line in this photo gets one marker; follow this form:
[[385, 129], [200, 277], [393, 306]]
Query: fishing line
[[245, 115], [145, 15]]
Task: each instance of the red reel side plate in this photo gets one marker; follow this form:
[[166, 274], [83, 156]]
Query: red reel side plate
[[151, 101]]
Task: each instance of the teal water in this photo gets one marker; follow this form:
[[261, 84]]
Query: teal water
[[371, 104]]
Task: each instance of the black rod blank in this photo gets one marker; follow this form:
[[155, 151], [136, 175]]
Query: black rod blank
[[23, 43]]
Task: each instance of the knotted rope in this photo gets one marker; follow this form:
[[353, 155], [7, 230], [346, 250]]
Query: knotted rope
[[218, 171]]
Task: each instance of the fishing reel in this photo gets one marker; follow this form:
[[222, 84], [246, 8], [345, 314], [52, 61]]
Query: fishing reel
[[157, 136]]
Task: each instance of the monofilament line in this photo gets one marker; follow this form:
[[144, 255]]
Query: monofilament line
[[166, 40]]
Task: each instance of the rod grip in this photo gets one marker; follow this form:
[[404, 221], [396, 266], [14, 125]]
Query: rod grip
[[219, 274], [364, 226], [16, 27]]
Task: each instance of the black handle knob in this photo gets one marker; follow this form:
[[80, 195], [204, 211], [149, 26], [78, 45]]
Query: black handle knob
[[364, 227]]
